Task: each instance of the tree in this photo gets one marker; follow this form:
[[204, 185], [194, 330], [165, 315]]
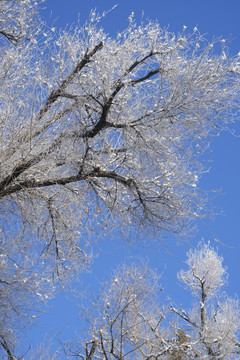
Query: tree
[[117, 142], [126, 321], [98, 128], [214, 322]]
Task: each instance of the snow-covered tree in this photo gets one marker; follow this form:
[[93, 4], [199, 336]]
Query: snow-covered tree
[[126, 320], [129, 321], [97, 131], [99, 128], [214, 322]]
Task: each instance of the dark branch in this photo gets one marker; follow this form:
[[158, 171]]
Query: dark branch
[[31, 184], [10, 37], [19, 169], [92, 350], [57, 93], [146, 77], [137, 62], [103, 123], [5, 346]]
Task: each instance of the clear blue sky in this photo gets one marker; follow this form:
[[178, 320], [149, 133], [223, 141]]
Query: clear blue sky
[[213, 18]]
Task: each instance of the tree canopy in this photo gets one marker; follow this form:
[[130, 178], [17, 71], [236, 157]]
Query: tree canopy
[[130, 318]]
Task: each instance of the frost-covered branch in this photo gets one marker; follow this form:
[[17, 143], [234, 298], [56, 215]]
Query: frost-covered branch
[[17, 19]]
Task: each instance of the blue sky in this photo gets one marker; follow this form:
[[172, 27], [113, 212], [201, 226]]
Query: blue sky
[[213, 18]]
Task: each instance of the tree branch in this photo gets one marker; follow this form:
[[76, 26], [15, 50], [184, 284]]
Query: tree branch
[[5, 346], [57, 93], [33, 184], [92, 350], [146, 77]]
